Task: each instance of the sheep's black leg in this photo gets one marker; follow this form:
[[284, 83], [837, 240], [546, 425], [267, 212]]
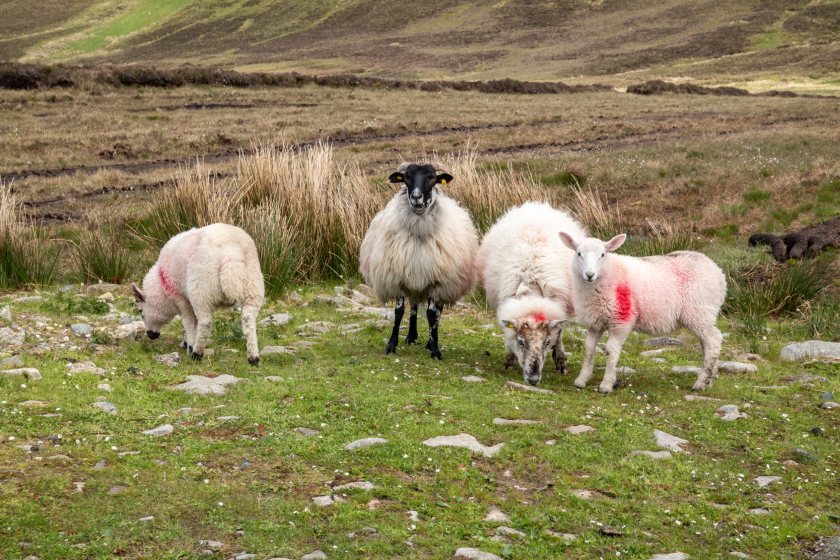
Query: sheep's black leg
[[412, 325], [399, 311], [559, 359], [433, 315]]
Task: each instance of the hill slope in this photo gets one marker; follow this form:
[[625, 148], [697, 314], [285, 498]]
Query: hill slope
[[528, 39]]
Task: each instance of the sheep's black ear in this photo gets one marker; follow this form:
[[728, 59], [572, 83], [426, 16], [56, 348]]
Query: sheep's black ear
[[396, 177], [139, 297], [444, 178]]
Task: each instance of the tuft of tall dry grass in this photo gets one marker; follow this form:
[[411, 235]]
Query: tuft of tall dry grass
[[26, 257]]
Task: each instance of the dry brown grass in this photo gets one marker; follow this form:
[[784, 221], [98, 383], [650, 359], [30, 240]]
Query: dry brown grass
[[26, 258]]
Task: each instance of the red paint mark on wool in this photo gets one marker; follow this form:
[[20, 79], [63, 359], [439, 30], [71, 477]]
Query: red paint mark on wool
[[166, 282], [539, 317], [624, 307]]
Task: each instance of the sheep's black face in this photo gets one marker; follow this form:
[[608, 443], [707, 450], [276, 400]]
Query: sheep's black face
[[420, 182]]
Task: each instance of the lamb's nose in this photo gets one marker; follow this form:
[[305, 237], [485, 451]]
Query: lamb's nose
[[590, 276]]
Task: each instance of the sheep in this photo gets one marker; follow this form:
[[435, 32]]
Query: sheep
[[654, 295], [421, 246], [197, 271], [526, 272]]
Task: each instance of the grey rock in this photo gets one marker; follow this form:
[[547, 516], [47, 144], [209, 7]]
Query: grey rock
[[118, 489], [307, 432], [12, 362], [314, 555], [100, 465], [474, 554], [29, 299], [657, 455], [357, 485], [811, 349], [104, 387], [108, 407], [363, 443], [804, 456], [659, 360], [656, 352], [692, 397], [146, 519], [624, 370], [99, 289], [324, 501], [274, 378], [759, 511], [729, 413], [686, 369], [215, 546], [271, 350], [568, 537], [303, 344], [763, 481], [81, 329], [202, 385], [228, 418], [512, 422], [363, 532], [581, 429], [6, 314], [33, 404], [737, 367], [584, 494], [528, 388], [184, 410], [11, 338], [826, 396], [28, 373], [663, 341], [84, 367], [130, 331], [316, 327], [465, 441], [473, 379], [162, 430], [509, 532], [736, 554], [827, 549], [171, 360], [495, 515], [667, 441], [670, 556], [829, 405]]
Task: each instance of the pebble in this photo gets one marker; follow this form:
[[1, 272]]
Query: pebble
[[316, 327], [100, 465], [357, 485], [585, 494], [475, 554], [12, 362], [610, 531], [325, 501], [314, 555], [465, 441], [276, 320], [691, 397], [509, 532], [686, 369], [667, 441], [6, 314], [215, 546], [270, 350], [104, 287], [29, 299], [624, 370], [656, 352], [737, 367], [670, 556], [31, 403], [28, 373], [118, 489], [171, 360], [767, 480], [147, 519], [84, 367], [827, 549], [826, 396], [730, 413], [12, 338], [528, 388], [581, 429], [81, 329], [804, 456], [659, 360], [228, 418], [363, 532], [813, 349], [274, 378], [308, 432], [130, 331], [657, 455], [759, 511], [473, 379], [739, 555], [829, 405], [568, 537], [104, 387], [514, 422], [363, 443], [108, 407], [495, 515], [162, 430], [202, 385], [663, 341]]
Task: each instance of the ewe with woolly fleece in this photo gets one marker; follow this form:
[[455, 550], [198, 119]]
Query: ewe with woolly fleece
[[421, 246], [526, 271], [654, 295], [197, 271]]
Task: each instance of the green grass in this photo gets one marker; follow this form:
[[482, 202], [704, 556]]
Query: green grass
[[212, 479]]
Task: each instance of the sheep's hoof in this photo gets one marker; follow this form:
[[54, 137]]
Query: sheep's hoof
[[254, 360], [698, 386], [605, 389], [580, 384], [184, 345], [436, 354], [195, 355], [391, 348], [411, 339]]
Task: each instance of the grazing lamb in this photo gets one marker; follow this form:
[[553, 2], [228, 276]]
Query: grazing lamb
[[421, 246], [526, 272], [197, 271], [654, 295]]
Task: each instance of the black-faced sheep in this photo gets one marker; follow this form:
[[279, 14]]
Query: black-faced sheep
[[421, 246], [197, 271], [526, 272]]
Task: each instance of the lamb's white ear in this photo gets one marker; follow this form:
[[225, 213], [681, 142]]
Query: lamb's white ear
[[139, 296], [616, 242], [556, 324], [568, 241], [509, 324]]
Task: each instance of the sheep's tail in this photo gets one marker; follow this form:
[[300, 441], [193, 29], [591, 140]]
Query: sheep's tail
[[777, 247]]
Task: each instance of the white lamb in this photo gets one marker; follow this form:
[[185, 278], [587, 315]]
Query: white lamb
[[421, 246], [654, 295], [526, 272], [197, 271]]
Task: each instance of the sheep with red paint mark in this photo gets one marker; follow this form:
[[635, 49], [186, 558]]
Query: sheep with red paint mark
[[526, 272], [655, 295], [196, 272]]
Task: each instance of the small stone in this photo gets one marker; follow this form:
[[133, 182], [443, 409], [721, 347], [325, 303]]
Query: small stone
[[736, 554], [826, 396], [759, 511], [528, 388], [12, 338], [465, 441], [108, 407], [118, 489], [105, 287], [130, 331], [100, 465], [804, 456], [495, 515], [245, 556], [657, 455], [767, 480], [184, 410], [79, 487], [107, 296], [147, 519], [325, 501], [473, 379], [729, 413], [81, 329], [162, 430], [585, 494], [828, 548], [314, 555], [84, 367], [667, 441], [568, 537], [514, 422], [171, 360], [270, 350], [580, 429], [737, 367], [308, 432], [363, 443], [829, 405], [28, 373], [652, 353], [663, 341], [509, 532], [659, 360], [475, 554], [6, 314], [228, 418], [813, 349], [805, 378], [316, 327], [303, 344], [202, 385], [29, 299], [12, 362], [33, 404], [104, 387], [358, 485], [276, 320], [686, 369], [692, 397], [610, 531], [215, 546], [670, 556]]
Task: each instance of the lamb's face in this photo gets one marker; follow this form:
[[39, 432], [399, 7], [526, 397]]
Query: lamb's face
[[420, 182], [590, 254], [530, 340], [154, 321]]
